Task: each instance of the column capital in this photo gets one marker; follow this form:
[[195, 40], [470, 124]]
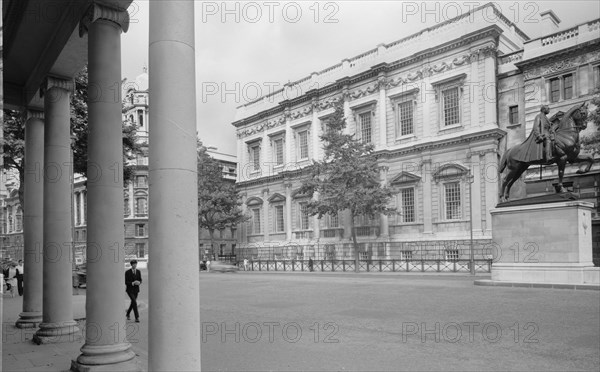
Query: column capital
[[98, 11], [50, 82], [34, 114]]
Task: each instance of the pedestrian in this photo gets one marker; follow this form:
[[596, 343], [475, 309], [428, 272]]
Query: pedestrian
[[133, 279], [20, 273], [12, 278], [208, 266], [310, 264], [245, 264]]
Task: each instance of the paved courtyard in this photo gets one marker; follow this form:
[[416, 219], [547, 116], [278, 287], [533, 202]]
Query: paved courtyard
[[363, 322], [367, 322]]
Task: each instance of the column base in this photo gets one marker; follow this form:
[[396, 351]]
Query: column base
[[117, 357], [129, 366], [53, 333], [29, 319]]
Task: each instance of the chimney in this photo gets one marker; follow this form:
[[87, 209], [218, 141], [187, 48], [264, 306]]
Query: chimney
[[549, 24]]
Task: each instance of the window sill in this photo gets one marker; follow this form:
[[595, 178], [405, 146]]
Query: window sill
[[406, 137], [513, 126], [451, 221], [453, 126]]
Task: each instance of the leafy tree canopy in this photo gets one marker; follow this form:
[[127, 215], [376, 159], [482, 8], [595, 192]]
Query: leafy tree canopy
[[347, 178], [218, 200]]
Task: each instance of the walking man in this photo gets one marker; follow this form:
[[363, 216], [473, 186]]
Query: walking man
[[20, 277], [133, 279]]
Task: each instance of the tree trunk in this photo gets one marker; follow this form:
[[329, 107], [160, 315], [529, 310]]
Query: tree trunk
[[356, 255], [212, 251]]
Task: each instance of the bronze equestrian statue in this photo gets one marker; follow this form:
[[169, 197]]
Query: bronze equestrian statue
[[552, 140]]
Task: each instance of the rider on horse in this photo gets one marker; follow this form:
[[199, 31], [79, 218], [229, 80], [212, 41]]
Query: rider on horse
[[538, 146]]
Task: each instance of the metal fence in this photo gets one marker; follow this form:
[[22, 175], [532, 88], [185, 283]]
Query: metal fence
[[437, 256]]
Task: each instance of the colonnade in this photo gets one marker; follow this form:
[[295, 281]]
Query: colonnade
[[47, 302]]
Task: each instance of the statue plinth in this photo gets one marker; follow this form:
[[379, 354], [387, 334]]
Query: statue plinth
[[546, 239]]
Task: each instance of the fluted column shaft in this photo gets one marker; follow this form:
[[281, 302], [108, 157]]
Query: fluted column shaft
[[174, 323], [33, 223]]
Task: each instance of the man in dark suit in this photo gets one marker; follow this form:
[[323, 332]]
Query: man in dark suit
[[133, 279]]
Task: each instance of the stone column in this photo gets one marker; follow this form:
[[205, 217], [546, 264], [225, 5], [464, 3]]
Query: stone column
[[384, 229], [33, 222], [265, 214], [382, 106], [57, 319], [288, 211], [427, 194], [174, 326], [106, 346]]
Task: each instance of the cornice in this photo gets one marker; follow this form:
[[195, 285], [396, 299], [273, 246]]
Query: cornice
[[495, 133], [563, 59]]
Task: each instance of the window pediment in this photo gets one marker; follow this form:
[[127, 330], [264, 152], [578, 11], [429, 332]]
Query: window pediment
[[298, 195], [450, 171], [254, 201], [405, 178], [276, 198]]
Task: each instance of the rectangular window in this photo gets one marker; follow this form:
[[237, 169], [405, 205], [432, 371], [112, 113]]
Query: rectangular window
[[140, 249], [405, 118], [127, 211], [141, 181], [451, 107], [334, 221], [513, 114], [406, 255], [279, 227], [256, 221], [84, 196], [140, 117], [452, 200], [597, 76], [554, 90], [279, 151], [452, 255], [407, 204], [303, 145], [568, 86], [255, 157], [140, 230], [303, 217], [364, 121], [140, 206]]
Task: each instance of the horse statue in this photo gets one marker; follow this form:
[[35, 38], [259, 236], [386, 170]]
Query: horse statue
[[565, 148]]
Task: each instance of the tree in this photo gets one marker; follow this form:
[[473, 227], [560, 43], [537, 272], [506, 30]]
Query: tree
[[592, 142], [346, 179], [218, 200], [14, 137]]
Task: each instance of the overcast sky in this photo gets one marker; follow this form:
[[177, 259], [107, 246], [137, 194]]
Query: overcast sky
[[244, 46]]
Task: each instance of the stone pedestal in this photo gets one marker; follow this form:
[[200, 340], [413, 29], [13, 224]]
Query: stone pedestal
[[544, 243]]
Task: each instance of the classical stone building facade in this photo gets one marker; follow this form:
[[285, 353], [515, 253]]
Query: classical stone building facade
[[436, 106], [428, 104]]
